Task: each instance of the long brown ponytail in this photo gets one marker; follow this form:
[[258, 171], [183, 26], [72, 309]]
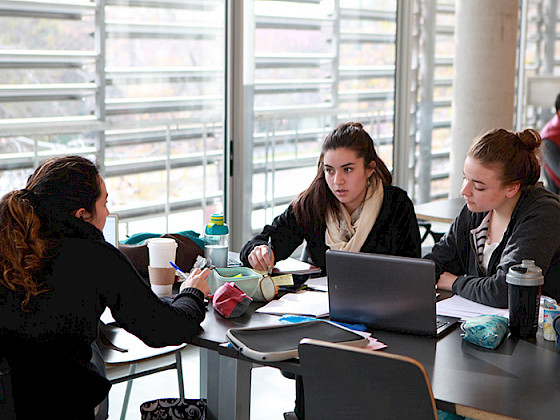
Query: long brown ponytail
[[54, 192]]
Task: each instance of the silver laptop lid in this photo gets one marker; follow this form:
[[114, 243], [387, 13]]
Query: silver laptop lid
[[111, 229], [382, 291]]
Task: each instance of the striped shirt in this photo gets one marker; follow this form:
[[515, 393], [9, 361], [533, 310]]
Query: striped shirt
[[484, 249]]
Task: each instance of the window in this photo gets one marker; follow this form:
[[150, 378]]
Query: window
[[138, 86], [315, 64]]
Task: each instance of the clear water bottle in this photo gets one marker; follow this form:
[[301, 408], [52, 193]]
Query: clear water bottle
[[216, 236]]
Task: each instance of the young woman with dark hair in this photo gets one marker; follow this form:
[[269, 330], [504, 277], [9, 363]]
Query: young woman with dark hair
[[350, 205], [57, 276], [508, 217]]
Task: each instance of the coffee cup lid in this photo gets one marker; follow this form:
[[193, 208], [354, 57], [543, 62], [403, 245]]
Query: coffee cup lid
[[525, 274], [162, 242]]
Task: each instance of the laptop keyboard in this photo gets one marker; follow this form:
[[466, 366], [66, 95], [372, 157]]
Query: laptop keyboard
[[440, 323], [234, 262]]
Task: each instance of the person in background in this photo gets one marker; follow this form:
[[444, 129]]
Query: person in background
[[57, 276], [350, 205], [508, 217], [551, 150]]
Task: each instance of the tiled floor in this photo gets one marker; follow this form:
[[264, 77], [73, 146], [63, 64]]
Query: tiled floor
[[271, 393]]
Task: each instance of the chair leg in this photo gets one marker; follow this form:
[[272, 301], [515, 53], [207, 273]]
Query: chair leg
[[132, 371], [179, 366]]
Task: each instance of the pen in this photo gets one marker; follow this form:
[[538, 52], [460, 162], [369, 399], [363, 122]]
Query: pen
[[181, 272], [269, 253]]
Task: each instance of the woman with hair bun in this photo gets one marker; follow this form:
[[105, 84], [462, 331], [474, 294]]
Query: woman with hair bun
[[508, 217], [57, 276]]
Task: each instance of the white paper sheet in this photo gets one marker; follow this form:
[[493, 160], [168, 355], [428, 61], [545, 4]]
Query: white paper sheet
[[465, 309], [318, 283], [304, 302]]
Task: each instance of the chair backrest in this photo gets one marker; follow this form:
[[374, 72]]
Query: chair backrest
[[343, 382]]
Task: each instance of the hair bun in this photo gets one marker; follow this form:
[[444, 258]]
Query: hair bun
[[356, 124], [530, 139]]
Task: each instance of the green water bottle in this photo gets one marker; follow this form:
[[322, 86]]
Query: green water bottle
[[216, 237]]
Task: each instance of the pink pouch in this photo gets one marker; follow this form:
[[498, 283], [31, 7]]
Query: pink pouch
[[230, 301]]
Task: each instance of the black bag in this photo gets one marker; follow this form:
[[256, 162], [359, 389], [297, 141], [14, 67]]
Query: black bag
[[187, 251], [174, 409]]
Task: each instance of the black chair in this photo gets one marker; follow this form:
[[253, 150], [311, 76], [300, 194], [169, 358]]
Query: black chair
[[344, 382], [436, 236]]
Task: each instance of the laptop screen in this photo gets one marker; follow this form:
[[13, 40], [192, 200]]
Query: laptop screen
[[111, 229], [383, 291]]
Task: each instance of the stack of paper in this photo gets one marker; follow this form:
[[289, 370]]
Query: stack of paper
[[292, 266], [463, 308], [318, 283], [304, 302]]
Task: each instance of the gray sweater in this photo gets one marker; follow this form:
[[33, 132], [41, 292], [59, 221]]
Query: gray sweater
[[533, 233]]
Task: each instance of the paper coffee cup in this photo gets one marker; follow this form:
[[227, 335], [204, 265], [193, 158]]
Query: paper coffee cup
[[161, 251], [161, 276], [162, 290]]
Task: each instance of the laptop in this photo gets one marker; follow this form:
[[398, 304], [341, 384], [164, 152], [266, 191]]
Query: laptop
[[111, 229], [386, 292]]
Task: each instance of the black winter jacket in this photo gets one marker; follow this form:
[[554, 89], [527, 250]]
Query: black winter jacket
[[395, 232], [49, 347]]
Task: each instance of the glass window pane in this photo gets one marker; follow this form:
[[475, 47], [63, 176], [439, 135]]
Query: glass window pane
[[141, 93], [316, 64]]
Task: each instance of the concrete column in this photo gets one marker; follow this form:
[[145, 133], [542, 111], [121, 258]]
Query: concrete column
[[484, 75]]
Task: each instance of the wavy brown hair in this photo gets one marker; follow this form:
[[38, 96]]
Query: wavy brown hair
[[54, 192], [516, 155], [313, 204]]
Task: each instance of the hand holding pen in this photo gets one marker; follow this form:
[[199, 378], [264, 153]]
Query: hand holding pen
[[261, 257], [196, 278]]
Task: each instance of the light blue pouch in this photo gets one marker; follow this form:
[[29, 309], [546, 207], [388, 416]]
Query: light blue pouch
[[485, 330]]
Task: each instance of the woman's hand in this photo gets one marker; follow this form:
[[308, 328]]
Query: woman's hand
[[446, 281], [259, 258], [197, 279]]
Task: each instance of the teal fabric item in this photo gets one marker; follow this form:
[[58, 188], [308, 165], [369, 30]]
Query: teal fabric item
[[445, 415], [485, 330], [139, 238]]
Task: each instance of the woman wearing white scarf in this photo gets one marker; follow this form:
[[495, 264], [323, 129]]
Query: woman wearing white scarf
[[348, 232], [350, 205]]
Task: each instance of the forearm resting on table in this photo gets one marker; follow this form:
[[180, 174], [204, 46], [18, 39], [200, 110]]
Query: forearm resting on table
[[446, 280]]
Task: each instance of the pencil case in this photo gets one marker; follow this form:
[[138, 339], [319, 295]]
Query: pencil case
[[257, 286], [485, 330]]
